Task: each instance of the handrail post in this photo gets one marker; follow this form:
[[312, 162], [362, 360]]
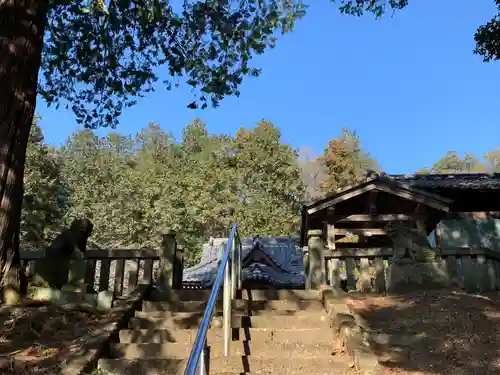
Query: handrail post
[[238, 265], [234, 270], [198, 361], [226, 308], [202, 364]]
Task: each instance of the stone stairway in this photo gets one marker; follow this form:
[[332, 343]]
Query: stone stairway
[[274, 331]]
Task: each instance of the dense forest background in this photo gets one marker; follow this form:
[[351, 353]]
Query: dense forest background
[[134, 188]]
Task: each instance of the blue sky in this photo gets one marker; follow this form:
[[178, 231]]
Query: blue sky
[[408, 84]]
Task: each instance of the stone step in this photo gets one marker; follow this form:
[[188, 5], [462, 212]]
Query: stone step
[[176, 315], [280, 294], [304, 336], [181, 295], [282, 307], [331, 365], [183, 306], [254, 294], [270, 348], [285, 321], [235, 312], [172, 323], [279, 307], [270, 321]]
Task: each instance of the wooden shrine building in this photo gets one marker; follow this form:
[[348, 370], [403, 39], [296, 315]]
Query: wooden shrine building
[[364, 209]]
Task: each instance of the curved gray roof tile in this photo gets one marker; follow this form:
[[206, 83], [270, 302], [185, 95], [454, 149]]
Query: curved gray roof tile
[[486, 181], [285, 252]]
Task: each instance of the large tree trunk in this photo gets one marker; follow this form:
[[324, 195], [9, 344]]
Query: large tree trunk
[[22, 25]]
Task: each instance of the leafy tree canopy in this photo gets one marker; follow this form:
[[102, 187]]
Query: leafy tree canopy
[[345, 161], [452, 163], [99, 56], [46, 196], [487, 36], [136, 187]]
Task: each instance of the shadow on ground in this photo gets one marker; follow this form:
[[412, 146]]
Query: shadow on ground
[[40, 340], [434, 332]]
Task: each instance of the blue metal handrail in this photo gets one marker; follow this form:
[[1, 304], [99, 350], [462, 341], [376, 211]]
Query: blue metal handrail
[[229, 275]]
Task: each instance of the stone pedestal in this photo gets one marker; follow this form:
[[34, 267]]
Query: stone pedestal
[[76, 268], [414, 263], [50, 272], [316, 247], [102, 300], [407, 275], [78, 288]]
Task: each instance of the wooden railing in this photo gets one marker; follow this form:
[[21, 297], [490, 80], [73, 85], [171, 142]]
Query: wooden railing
[[119, 270], [474, 269]]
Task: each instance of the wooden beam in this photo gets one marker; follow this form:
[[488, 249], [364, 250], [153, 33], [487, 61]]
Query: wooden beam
[[100, 254], [361, 224], [472, 215], [386, 185], [462, 251], [412, 196], [358, 252], [384, 217], [422, 193], [341, 191], [358, 245], [403, 191], [341, 198], [361, 231]]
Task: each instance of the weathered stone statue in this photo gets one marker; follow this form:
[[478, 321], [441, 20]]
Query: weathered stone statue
[[64, 260], [413, 265]]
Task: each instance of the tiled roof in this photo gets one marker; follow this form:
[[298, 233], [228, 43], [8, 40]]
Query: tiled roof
[[480, 181], [284, 251]]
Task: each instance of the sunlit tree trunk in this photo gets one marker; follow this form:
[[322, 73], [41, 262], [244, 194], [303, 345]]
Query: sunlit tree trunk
[[22, 25]]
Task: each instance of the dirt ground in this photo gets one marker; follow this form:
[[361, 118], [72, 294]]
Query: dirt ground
[[438, 332], [38, 339]]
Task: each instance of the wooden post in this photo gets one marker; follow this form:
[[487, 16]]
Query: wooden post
[[303, 227], [330, 228], [167, 256], [330, 236], [372, 212], [305, 257], [334, 271], [316, 248], [178, 267], [372, 203]]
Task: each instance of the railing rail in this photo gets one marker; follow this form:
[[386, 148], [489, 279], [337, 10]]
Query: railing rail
[[366, 269], [116, 270], [228, 277]]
